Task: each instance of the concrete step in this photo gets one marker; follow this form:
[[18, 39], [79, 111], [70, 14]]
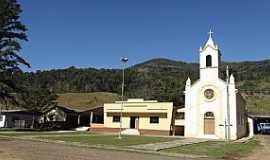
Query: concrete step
[[130, 132], [82, 128]]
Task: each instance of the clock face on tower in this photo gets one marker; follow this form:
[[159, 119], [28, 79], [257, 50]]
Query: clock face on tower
[[209, 93]]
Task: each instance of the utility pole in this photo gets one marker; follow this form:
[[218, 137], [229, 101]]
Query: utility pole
[[228, 106], [225, 129], [124, 61]]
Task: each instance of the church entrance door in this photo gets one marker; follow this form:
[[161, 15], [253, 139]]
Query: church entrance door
[[209, 123]]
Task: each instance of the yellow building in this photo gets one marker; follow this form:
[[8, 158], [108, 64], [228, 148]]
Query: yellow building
[[138, 117]]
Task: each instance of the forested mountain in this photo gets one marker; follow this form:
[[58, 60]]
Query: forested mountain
[[161, 79]]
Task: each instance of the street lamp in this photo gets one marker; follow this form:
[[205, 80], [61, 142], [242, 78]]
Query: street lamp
[[123, 61]]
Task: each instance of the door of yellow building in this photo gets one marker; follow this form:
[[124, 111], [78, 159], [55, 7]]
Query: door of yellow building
[[134, 122]]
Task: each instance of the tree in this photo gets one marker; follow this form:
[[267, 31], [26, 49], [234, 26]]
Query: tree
[[36, 100], [12, 32]]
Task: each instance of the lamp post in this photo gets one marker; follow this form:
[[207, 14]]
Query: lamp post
[[124, 61]]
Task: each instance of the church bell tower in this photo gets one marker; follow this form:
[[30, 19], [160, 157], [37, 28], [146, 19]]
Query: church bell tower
[[209, 60]]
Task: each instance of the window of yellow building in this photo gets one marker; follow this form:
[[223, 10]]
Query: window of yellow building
[[116, 119], [154, 119]]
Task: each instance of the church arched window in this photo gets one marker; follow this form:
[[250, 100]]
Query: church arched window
[[208, 61], [208, 115]]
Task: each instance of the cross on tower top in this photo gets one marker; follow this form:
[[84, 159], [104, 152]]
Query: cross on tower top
[[210, 41], [210, 33]]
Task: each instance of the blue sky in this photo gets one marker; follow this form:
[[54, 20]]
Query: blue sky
[[96, 33]]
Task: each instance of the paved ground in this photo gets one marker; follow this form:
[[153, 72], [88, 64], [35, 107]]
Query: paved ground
[[262, 153], [166, 145], [28, 150]]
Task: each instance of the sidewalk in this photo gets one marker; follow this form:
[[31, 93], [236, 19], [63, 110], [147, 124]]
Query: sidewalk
[[166, 145]]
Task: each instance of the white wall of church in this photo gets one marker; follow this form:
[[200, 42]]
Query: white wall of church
[[233, 112], [197, 103], [209, 74]]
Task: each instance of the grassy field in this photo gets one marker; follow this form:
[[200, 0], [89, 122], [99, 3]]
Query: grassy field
[[90, 138], [215, 150], [93, 139], [218, 150]]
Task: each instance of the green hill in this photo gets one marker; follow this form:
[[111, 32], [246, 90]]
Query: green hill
[[86, 101], [160, 79], [258, 104]]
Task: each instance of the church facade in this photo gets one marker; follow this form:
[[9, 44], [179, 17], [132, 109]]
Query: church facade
[[213, 107]]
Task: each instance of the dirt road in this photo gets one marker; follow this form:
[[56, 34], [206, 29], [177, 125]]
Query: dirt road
[[263, 152], [27, 150]]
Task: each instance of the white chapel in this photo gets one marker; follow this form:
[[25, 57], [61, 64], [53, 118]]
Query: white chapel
[[213, 107]]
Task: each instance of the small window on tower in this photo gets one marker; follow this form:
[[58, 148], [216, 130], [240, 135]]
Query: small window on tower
[[208, 61]]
